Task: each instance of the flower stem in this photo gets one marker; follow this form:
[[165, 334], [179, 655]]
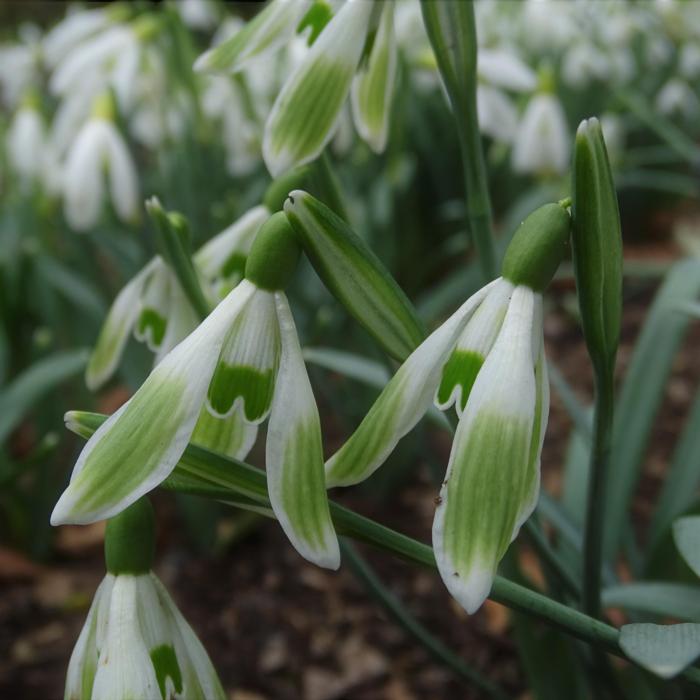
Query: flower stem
[[595, 507]]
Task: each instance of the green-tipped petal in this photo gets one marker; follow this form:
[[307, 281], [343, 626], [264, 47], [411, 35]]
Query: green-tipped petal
[[199, 677], [225, 254], [354, 275], [246, 372], [124, 670], [266, 32], [82, 666], [139, 445], [487, 479], [294, 455], [401, 404], [474, 344], [305, 114], [152, 321], [115, 331], [373, 86], [232, 436]]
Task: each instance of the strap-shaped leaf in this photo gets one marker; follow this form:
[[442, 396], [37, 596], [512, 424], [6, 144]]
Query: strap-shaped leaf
[[677, 600], [665, 650], [355, 276], [686, 534]]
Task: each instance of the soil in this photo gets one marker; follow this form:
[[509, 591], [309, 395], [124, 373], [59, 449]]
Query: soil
[[280, 629]]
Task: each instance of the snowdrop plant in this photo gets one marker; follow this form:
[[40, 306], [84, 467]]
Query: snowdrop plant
[[342, 61], [243, 359], [135, 643], [26, 139], [488, 360], [99, 153]]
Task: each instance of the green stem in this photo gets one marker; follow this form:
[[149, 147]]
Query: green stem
[[595, 507], [394, 607], [172, 240]]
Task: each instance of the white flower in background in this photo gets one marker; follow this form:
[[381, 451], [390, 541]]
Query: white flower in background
[[677, 98], [488, 360], [499, 70], [97, 148], [243, 360], [26, 142], [197, 14], [689, 61], [583, 64], [153, 306], [541, 144], [135, 643], [295, 133], [614, 133], [20, 64], [77, 26], [547, 25]]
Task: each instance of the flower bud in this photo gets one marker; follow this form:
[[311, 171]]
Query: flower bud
[[597, 246], [274, 255]]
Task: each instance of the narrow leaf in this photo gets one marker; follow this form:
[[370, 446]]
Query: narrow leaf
[[665, 650]]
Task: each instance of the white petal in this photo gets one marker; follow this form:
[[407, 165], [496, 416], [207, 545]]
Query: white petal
[[25, 143], [542, 141], [488, 478], [139, 445], [233, 436], [124, 670], [123, 180], [402, 403], [294, 454], [71, 31], [505, 70], [498, 117], [115, 331]]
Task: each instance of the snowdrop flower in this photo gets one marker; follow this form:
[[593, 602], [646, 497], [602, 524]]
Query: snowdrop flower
[[20, 67], [335, 67], [197, 14], [77, 26], [689, 61], [584, 64], [153, 307], [135, 642], [98, 147], [245, 356], [541, 144], [488, 360], [26, 142], [677, 98], [499, 70]]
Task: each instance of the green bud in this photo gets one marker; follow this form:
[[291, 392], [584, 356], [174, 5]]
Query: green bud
[[538, 247], [355, 276], [279, 189], [130, 540], [597, 246], [274, 255]]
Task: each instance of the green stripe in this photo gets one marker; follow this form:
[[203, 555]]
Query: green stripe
[[151, 319], [253, 386], [485, 491], [166, 666], [303, 489], [461, 369]]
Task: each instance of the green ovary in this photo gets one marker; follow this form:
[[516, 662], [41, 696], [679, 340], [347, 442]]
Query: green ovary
[[134, 445], [461, 369], [151, 319], [254, 386], [303, 122], [166, 666], [303, 488], [485, 490]]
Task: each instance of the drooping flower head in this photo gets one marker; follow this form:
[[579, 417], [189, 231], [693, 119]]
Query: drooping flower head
[[353, 53], [135, 643], [243, 360], [488, 360]]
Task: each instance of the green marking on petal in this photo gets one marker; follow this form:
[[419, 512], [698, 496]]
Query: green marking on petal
[[303, 487], [485, 490], [134, 446], [309, 111], [318, 16], [151, 320], [253, 386], [166, 666], [460, 370]]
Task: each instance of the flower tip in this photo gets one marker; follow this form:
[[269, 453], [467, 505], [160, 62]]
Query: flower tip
[[587, 125], [153, 204], [202, 64], [470, 591], [293, 198]]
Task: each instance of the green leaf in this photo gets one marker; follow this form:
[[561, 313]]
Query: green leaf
[[658, 598], [686, 534], [350, 365], [665, 650], [643, 391], [21, 394], [355, 276]]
